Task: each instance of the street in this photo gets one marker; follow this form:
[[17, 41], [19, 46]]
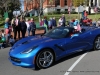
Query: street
[[88, 65]]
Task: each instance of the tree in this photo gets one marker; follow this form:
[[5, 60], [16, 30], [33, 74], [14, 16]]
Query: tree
[[9, 6], [27, 4], [40, 3], [51, 2]]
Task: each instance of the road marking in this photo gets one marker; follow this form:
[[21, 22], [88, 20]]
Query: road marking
[[76, 62]]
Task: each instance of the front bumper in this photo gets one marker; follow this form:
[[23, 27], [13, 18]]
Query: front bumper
[[23, 61]]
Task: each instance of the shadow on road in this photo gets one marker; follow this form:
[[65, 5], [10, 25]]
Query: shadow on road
[[66, 58], [69, 57]]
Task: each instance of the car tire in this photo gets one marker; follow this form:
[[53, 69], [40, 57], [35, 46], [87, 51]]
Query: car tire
[[45, 59], [97, 43]]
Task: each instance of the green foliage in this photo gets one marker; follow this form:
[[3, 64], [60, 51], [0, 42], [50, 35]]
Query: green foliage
[[64, 12], [57, 12], [49, 13], [74, 12], [9, 6]]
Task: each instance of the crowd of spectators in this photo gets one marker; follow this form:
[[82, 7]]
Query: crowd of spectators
[[19, 27]]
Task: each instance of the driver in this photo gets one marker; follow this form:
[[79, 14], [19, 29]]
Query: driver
[[75, 31]]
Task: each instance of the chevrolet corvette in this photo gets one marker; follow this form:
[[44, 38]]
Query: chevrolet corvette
[[43, 50]]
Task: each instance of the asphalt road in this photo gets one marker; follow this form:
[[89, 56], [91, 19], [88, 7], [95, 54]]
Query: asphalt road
[[77, 64]]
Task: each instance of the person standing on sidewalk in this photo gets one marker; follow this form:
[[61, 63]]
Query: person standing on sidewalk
[[23, 27], [17, 28], [32, 26], [64, 20], [7, 31], [54, 22], [28, 26]]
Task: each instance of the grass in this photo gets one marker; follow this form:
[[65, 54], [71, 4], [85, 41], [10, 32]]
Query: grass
[[72, 16]]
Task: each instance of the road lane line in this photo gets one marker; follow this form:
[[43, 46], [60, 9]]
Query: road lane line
[[76, 62]]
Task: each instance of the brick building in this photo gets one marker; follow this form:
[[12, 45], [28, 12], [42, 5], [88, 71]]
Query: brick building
[[59, 5]]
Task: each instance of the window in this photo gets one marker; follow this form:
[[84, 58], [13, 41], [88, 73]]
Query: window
[[57, 2], [65, 1], [91, 3], [95, 2], [58, 11]]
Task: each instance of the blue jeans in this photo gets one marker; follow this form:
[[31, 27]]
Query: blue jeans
[[28, 30], [1, 46]]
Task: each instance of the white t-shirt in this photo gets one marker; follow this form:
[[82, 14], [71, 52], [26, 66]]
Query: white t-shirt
[[27, 24], [2, 34], [60, 21]]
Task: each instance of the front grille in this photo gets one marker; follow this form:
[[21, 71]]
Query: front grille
[[15, 59]]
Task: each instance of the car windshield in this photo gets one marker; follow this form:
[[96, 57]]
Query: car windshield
[[58, 33]]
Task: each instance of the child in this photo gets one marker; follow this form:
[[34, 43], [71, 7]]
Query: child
[[11, 40], [2, 41], [2, 33]]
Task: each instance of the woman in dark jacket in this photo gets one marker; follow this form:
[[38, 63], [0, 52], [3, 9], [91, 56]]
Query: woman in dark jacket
[[17, 28], [23, 27]]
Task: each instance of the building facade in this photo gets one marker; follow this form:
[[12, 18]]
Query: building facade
[[60, 5]]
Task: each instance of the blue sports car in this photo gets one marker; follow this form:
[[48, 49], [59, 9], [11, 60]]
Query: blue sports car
[[43, 50]]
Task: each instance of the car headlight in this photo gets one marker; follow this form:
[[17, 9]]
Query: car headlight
[[29, 50]]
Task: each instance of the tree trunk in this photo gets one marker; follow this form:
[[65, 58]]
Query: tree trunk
[[39, 17]]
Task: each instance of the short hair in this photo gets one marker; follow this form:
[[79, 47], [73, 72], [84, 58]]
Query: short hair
[[32, 19], [54, 18], [12, 21], [2, 30], [11, 36]]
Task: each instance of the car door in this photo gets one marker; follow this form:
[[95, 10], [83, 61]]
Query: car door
[[61, 47], [75, 44]]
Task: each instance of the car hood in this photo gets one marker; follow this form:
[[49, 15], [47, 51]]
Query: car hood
[[30, 42], [34, 40]]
